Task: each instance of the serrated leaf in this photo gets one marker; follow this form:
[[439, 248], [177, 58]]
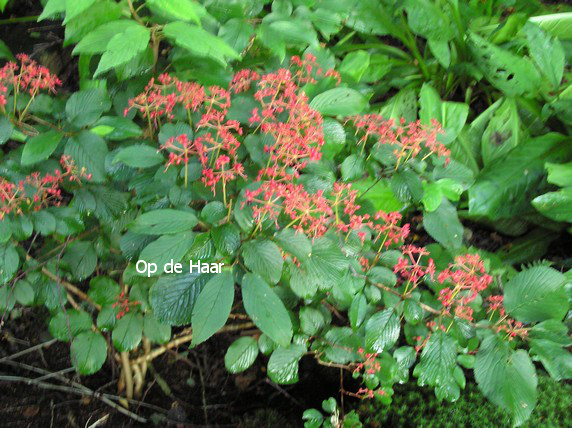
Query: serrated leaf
[[294, 243], [103, 290], [81, 259], [88, 352], [263, 257], [241, 354], [212, 308], [127, 332], [167, 248], [85, 107], [382, 330], [66, 325], [266, 309], [139, 156], [226, 238], [162, 222], [88, 151], [96, 41], [438, 360], [123, 47], [283, 364], [178, 10]]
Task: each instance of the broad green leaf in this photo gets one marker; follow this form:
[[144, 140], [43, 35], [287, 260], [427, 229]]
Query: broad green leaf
[[99, 13], [226, 238], [24, 293], [559, 174], [40, 148], [173, 297], [88, 151], [311, 320], [167, 248], [401, 105], [96, 41], [440, 50], [212, 308], [339, 102], [199, 42], [555, 205], [503, 132], [241, 354], [354, 65], [177, 10], [427, 19], [283, 364], [51, 8], [444, 226], [266, 309], [81, 259], [236, 33], [67, 325], [294, 31], [512, 74], [163, 222], [123, 47], [368, 16], [75, 8], [6, 129], [264, 258], [127, 332], [507, 378], [382, 331], [334, 138], [438, 360], [103, 290], [85, 107], [378, 193], [155, 330], [294, 243], [7, 298], [556, 360], [557, 24], [88, 352], [505, 186], [536, 294], [117, 128], [547, 52], [353, 167]]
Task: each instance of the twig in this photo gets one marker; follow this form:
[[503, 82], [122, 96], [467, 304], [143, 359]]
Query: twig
[[71, 288], [74, 390], [27, 351]]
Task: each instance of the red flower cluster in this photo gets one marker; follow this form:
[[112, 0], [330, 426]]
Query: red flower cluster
[[27, 76], [409, 266], [512, 327], [122, 301], [36, 191], [370, 366], [409, 139], [469, 278]]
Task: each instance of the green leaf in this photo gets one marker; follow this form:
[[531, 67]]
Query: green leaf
[[266, 309], [438, 360], [555, 205], [311, 320], [559, 174], [167, 248], [7, 299], [6, 129], [339, 102], [99, 13], [236, 33], [52, 7], [173, 297], [370, 17], [382, 331], [139, 156], [179, 10], [88, 352], [557, 24], [24, 293], [123, 47], [512, 74], [505, 186], [76, 8], [127, 332], [536, 294], [85, 107], [503, 132], [67, 325], [81, 259], [226, 238], [103, 290], [426, 19], [199, 42], [241, 354], [156, 331], [401, 105], [378, 193], [40, 148], [547, 52], [294, 243], [353, 167], [162, 222], [96, 41], [444, 226], [354, 65], [88, 151], [117, 128], [264, 258], [556, 360], [212, 307], [283, 364], [507, 378], [334, 138]]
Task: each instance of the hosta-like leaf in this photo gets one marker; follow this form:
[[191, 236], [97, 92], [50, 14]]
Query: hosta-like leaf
[[266, 309], [88, 352], [264, 258], [506, 377], [241, 354], [382, 330], [212, 308], [555, 205], [283, 364], [536, 294]]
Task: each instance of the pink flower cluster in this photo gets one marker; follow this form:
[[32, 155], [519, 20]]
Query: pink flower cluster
[[409, 139], [369, 366], [468, 278], [27, 76], [37, 191], [410, 267], [511, 327]]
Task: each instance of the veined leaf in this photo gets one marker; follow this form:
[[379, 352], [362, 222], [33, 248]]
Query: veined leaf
[[241, 354], [123, 47], [88, 352], [96, 41], [382, 331], [339, 102], [162, 222], [41, 147], [264, 258], [183, 10], [283, 364]]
